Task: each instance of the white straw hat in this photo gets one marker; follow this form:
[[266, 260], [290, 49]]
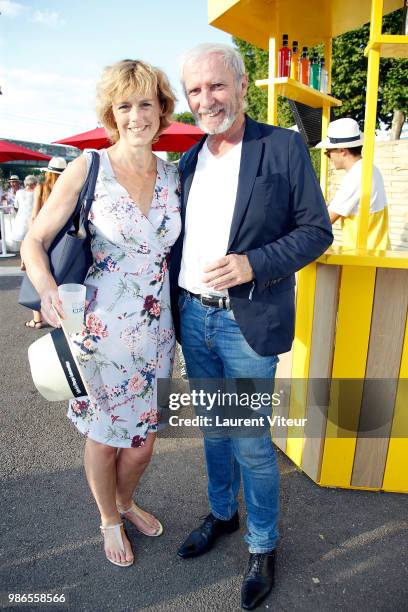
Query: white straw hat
[[54, 368], [56, 164], [342, 134]]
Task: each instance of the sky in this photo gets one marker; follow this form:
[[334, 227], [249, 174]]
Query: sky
[[52, 55]]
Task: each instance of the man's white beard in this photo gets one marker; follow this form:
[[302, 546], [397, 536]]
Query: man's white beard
[[220, 129]]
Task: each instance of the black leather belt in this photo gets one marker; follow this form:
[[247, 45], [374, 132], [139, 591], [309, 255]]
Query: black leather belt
[[215, 301]]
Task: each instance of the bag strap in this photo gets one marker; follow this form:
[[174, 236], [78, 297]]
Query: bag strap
[[88, 190]]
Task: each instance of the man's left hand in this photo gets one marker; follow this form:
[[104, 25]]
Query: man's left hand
[[227, 272]]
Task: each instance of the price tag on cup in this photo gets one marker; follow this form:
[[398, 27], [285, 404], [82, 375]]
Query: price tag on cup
[[72, 297]]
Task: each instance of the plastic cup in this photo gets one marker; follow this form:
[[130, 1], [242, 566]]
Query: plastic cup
[[72, 297]]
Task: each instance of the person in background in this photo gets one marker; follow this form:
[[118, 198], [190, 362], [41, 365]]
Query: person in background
[[42, 192], [24, 203], [55, 168], [253, 215], [8, 197], [343, 144], [14, 186], [7, 201]]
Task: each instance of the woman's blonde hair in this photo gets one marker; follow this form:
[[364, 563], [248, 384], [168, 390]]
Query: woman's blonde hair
[[127, 77]]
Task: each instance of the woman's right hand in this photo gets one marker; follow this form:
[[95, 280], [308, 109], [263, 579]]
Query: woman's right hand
[[50, 302]]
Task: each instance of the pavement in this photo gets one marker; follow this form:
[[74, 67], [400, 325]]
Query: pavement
[[10, 265], [339, 550]]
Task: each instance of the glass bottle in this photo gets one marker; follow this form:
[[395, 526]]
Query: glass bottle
[[284, 55], [324, 78], [304, 65], [294, 61], [315, 72], [404, 28]]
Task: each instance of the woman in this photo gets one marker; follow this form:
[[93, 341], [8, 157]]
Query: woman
[[24, 202], [128, 338], [41, 194], [56, 166]]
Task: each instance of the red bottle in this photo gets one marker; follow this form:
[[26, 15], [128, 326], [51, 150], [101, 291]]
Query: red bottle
[[304, 67], [284, 55]]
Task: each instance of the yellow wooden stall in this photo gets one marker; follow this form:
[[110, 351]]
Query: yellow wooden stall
[[351, 306]]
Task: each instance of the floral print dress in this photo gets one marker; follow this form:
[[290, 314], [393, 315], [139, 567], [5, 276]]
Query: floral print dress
[[127, 341]]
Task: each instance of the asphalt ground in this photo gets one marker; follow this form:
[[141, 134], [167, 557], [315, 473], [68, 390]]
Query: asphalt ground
[[339, 549]]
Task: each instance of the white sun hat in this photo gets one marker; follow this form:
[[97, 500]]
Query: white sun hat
[[342, 134], [54, 368], [56, 164]]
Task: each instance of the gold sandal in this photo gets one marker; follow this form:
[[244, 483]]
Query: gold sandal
[[117, 534], [34, 324], [133, 509]]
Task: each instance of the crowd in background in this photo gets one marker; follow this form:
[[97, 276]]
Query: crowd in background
[[21, 201]]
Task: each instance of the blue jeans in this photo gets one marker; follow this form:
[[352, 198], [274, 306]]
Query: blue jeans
[[214, 347]]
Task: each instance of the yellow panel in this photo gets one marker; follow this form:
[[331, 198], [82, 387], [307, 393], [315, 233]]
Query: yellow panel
[[252, 20], [308, 22], [396, 472], [219, 7], [324, 160], [282, 383], [349, 15], [362, 257], [350, 356], [304, 320], [301, 358], [369, 126], [300, 93], [272, 91], [389, 46]]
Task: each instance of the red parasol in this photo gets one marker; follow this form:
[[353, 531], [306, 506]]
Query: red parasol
[[12, 152], [178, 137]]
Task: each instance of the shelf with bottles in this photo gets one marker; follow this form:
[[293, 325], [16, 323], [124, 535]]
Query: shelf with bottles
[[389, 45], [294, 90], [305, 67]]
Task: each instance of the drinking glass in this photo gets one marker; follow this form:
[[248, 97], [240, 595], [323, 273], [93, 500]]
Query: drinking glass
[[72, 297]]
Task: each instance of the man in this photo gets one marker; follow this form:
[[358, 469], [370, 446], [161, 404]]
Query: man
[[343, 144], [8, 206], [253, 214], [14, 186]]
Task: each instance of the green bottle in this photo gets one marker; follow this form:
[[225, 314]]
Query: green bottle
[[315, 72]]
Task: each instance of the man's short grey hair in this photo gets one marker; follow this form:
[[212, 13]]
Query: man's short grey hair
[[30, 179], [232, 59]]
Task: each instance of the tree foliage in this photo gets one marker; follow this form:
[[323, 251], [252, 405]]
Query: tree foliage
[[349, 75], [184, 117], [256, 65]]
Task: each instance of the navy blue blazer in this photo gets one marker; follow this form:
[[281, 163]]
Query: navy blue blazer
[[280, 222]]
